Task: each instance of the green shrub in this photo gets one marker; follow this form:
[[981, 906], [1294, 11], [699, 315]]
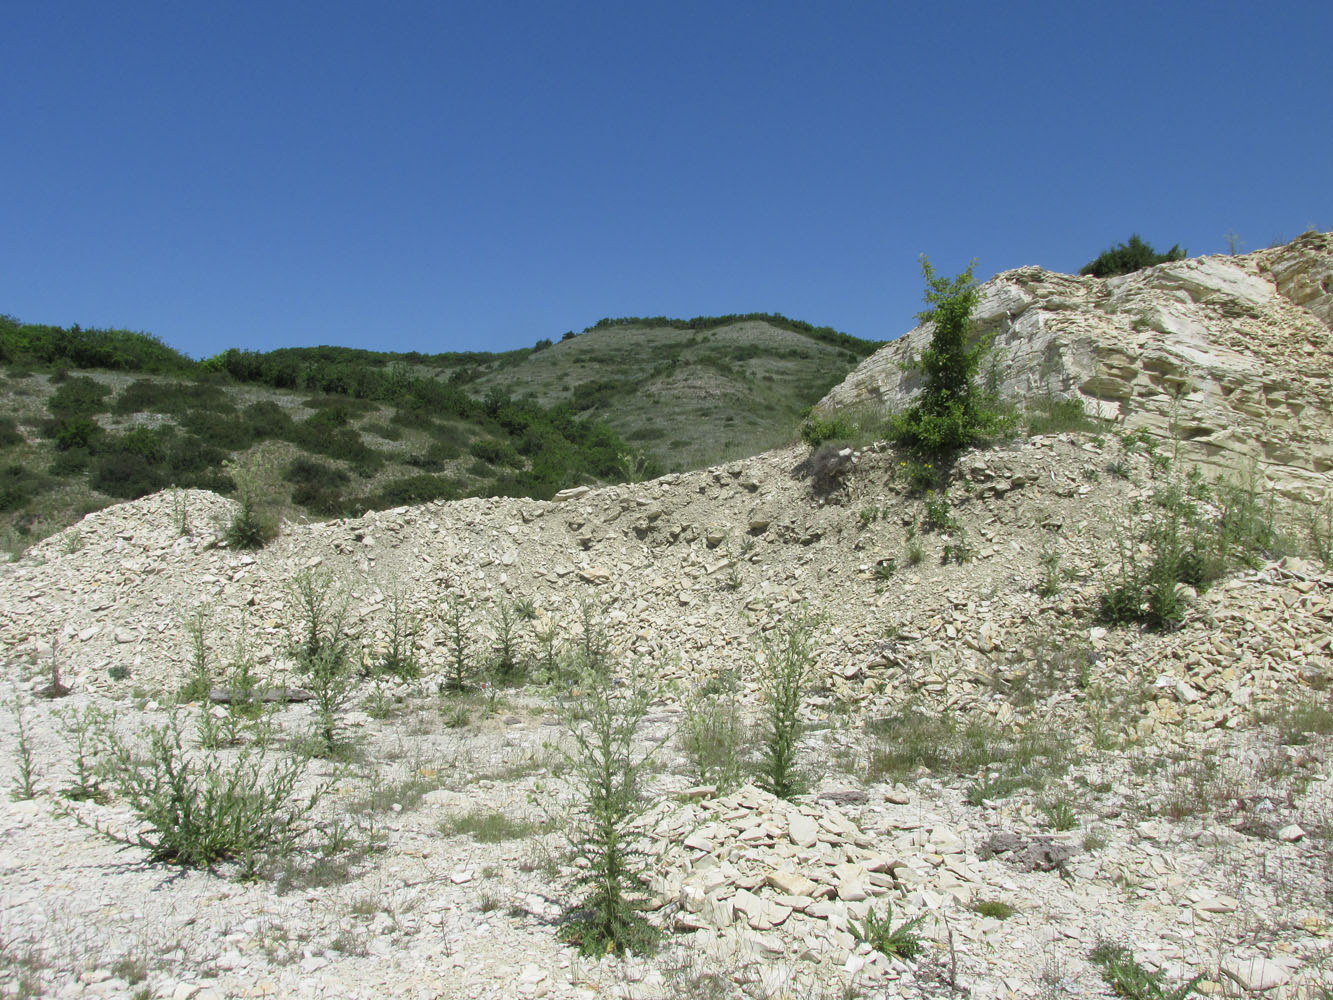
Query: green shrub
[[75, 432], [950, 412], [78, 397], [18, 485], [223, 429], [308, 472], [1126, 258], [126, 476], [202, 808], [816, 430], [267, 419], [417, 489], [494, 452], [9, 432]]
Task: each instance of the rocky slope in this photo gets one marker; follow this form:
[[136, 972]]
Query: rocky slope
[[1200, 831], [1233, 355]]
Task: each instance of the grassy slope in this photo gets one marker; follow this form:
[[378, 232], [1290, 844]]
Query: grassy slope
[[688, 398]]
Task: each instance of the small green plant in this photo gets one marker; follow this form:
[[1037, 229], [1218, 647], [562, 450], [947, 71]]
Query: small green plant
[[787, 661], [25, 782], [1059, 814], [457, 627], [322, 651], [199, 681], [252, 525], [201, 808], [937, 514], [547, 637], [817, 430], [885, 568], [403, 627], [84, 731], [919, 475], [489, 827], [607, 772], [525, 609], [1051, 578], [180, 512], [1319, 525], [878, 932], [711, 737], [1129, 979], [1053, 415], [507, 665], [914, 552], [993, 908]]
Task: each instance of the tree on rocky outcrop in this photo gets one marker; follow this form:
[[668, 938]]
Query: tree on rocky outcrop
[[1126, 258], [951, 412]]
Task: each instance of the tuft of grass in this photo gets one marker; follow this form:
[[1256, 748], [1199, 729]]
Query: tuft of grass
[[1059, 814], [1053, 415], [913, 739], [711, 737], [489, 827], [993, 908]]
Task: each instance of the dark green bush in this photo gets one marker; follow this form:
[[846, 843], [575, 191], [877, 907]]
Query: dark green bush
[[267, 419], [126, 475], [308, 472], [78, 397], [9, 432], [224, 429], [1126, 258], [416, 489], [816, 430], [495, 452], [18, 485], [75, 432], [70, 462]]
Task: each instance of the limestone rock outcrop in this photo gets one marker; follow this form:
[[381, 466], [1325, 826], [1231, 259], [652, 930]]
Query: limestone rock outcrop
[[1231, 356]]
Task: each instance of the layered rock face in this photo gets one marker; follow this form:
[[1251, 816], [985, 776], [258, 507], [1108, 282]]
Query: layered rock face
[[1230, 356]]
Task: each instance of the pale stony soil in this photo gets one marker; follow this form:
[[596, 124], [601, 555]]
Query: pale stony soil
[[1201, 841]]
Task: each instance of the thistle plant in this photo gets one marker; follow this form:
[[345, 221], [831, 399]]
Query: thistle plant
[[786, 662]]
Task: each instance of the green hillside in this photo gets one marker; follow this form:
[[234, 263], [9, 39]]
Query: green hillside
[[689, 393], [91, 417]]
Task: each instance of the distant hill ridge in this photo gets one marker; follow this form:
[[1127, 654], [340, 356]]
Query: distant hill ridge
[[101, 415]]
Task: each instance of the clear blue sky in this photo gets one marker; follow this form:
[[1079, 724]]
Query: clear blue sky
[[443, 176]]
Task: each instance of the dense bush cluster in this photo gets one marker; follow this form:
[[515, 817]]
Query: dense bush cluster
[[1126, 258]]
